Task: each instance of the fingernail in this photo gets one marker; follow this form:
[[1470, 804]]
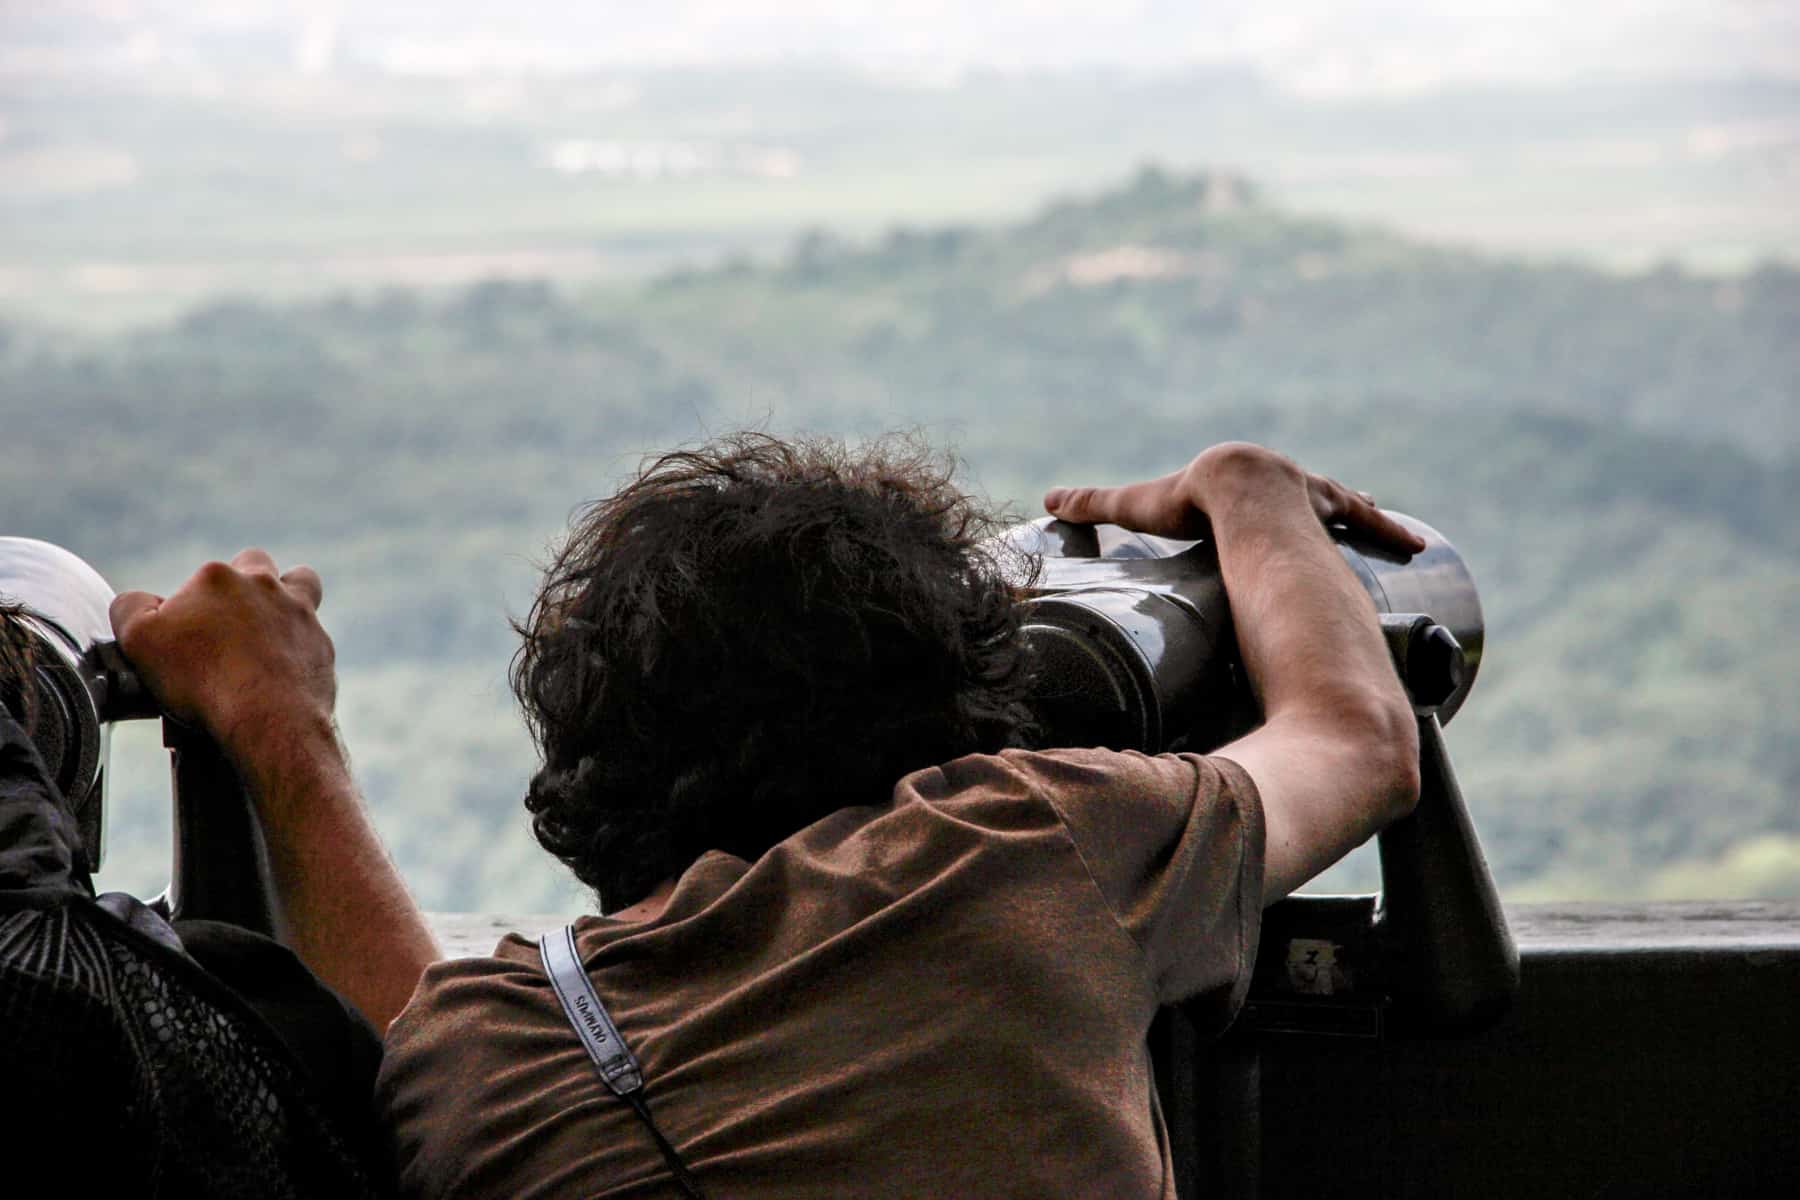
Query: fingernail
[[1054, 497]]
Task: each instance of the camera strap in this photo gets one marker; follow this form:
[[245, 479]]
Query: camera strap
[[614, 1060]]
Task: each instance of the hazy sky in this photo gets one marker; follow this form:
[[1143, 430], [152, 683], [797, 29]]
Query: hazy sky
[[1317, 46]]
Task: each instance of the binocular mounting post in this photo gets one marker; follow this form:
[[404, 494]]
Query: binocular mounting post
[[221, 868]]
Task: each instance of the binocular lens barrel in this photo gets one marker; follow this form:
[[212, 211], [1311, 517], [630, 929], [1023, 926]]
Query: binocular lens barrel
[[1132, 643]]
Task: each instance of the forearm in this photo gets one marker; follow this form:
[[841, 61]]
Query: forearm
[[343, 906], [1307, 631]]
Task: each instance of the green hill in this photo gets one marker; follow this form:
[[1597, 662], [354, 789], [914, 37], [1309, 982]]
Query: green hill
[[1615, 457]]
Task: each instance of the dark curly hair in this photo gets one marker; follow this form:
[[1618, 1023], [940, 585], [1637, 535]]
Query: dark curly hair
[[18, 658], [752, 635]]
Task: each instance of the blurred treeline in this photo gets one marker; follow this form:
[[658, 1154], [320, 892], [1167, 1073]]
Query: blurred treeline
[[1615, 456]]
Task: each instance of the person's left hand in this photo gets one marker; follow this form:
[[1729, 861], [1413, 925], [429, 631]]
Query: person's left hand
[[235, 646], [1180, 503]]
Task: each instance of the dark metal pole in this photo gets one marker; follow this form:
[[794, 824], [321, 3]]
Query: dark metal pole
[[221, 861]]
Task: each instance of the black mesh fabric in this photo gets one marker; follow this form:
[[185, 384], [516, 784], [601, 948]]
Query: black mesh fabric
[[126, 1049], [126, 1068]]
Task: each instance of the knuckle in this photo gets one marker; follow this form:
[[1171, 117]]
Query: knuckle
[[1238, 451], [215, 574], [1249, 455]]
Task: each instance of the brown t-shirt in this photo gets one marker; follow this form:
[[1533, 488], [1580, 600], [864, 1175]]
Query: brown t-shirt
[[945, 996]]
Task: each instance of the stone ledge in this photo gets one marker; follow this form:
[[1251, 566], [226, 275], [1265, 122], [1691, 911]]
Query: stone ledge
[[463, 935], [1683, 924], [1678, 923]]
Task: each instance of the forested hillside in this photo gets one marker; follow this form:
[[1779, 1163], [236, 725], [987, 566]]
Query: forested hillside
[[1615, 456]]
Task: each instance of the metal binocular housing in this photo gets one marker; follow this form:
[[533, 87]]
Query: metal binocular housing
[[1132, 644]]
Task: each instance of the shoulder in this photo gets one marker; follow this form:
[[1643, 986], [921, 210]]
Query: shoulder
[[1022, 774], [1122, 808], [449, 987], [1071, 780]]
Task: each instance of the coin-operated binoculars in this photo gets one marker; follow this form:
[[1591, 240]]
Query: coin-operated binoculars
[[81, 687], [1133, 648]]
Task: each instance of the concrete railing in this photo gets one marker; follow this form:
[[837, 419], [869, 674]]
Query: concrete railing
[[1538, 928]]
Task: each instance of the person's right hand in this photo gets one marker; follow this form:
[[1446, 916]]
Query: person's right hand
[[1178, 504], [238, 649], [235, 648]]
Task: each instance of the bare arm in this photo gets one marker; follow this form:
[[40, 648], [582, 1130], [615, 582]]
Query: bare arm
[[239, 650], [1337, 755]]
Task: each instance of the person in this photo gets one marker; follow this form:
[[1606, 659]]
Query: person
[[204, 1060], [861, 939]]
